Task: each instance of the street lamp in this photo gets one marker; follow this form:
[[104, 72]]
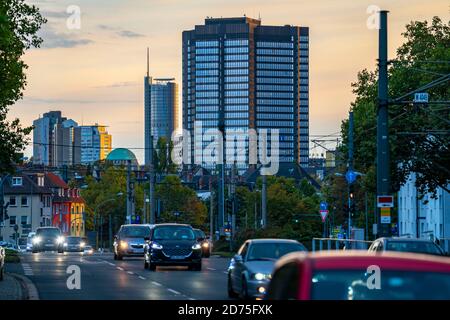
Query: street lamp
[[119, 194]]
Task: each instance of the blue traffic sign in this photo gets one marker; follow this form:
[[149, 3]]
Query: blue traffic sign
[[350, 176], [323, 206]]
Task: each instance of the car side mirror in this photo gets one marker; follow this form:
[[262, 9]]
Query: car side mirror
[[238, 258]]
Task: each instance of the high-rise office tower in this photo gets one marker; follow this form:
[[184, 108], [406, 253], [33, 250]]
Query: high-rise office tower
[[244, 75], [65, 143], [161, 110], [43, 151], [95, 143]]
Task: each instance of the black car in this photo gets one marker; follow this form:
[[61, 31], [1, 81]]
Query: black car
[[48, 239], [205, 243], [172, 244], [74, 244]]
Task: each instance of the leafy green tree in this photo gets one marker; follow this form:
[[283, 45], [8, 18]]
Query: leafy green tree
[[419, 136], [19, 24], [177, 198], [162, 156]]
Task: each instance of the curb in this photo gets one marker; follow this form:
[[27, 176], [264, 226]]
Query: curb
[[29, 290]]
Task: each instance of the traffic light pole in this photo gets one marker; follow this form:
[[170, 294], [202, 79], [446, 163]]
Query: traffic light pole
[[350, 168], [383, 170]]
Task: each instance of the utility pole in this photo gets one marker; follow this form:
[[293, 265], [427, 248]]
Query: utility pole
[[109, 232], [152, 183], [264, 202], [129, 191], [211, 210], [350, 169], [383, 170]]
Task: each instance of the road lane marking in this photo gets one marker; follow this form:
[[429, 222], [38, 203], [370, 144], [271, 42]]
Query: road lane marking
[[225, 272], [157, 283], [111, 264], [212, 269], [130, 272], [191, 299], [27, 270], [119, 268], [141, 277], [173, 291]]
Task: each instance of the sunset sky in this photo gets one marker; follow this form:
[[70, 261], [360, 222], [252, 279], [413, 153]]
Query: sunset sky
[[95, 74]]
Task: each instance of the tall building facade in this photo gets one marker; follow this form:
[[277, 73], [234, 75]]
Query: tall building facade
[[66, 144], [95, 142], [43, 150], [243, 75], [161, 111]]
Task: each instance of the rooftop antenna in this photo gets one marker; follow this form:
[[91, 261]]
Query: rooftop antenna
[[148, 62]]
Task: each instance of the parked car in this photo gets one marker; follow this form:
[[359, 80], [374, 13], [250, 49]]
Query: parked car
[[48, 239], [2, 263], [74, 244], [205, 242], [250, 269], [130, 240], [355, 275], [406, 245], [173, 244]]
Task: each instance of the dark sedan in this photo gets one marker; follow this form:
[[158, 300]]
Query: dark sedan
[[74, 244], [173, 245], [48, 239]]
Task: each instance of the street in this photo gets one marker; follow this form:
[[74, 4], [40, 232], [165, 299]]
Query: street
[[102, 278]]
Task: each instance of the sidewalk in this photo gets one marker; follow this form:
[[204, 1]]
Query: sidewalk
[[11, 288]]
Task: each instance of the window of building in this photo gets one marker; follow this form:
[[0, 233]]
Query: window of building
[[23, 220], [17, 181], [12, 220], [12, 201], [24, 201]]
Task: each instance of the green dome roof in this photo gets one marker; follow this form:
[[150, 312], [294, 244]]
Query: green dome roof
[[121, 154]]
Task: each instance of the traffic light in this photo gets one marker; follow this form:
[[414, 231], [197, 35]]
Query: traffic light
[[351, 192]]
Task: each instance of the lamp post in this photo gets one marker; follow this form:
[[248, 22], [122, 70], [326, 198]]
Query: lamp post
[[95, 214]]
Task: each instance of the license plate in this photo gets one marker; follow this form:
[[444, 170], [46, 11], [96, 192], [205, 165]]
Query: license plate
[[177, 257], [49, 245]]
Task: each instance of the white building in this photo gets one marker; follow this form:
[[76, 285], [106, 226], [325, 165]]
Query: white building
[[426, 217]]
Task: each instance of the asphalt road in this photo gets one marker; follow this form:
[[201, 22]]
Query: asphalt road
[[102, 278]]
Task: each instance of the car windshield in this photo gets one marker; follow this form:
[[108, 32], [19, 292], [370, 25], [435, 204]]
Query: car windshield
[[73, 240], [413, 246], [199, 234], [174, 233], [394, 285], [48, 232], [135, 232], [272, 251]]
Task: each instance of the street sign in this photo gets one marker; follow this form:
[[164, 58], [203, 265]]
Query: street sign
[[350, 176], [385, 215], [323, 205], [323, 214], [385, 201], [421, 97]]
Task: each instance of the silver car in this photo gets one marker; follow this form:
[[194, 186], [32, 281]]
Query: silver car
[[251, 268], [130, 241], [2, 262]]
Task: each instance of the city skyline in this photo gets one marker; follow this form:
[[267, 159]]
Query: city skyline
[[95, 72]]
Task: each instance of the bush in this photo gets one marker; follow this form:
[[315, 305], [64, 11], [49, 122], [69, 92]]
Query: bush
[[11, 256]]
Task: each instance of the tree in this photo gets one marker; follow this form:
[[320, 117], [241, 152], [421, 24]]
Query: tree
[[162, 156], [19, 24], [419, 135], [177, 198]]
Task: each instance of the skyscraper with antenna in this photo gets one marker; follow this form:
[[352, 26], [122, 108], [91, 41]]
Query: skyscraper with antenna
[[160, 109]]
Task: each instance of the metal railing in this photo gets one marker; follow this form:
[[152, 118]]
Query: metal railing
[[339, 244]]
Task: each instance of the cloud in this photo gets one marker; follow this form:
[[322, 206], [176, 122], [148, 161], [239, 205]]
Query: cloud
[[120, 32], [55, 14], [129, 34], [53, 39], [37, 100], [120, 84]]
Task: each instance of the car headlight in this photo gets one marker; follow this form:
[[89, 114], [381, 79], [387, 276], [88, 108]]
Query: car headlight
[[205, 244], [65, 244], [261, 276], [196, 246], [156, 246], [82, 244], [60, 240], [36, 240], [123, 244]]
